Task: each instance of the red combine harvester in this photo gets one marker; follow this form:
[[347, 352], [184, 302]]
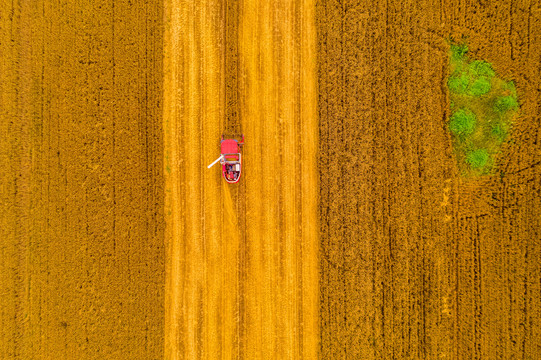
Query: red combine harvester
[[230, 159]]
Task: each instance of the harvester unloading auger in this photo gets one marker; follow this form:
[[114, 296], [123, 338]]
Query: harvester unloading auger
[[230, 158]]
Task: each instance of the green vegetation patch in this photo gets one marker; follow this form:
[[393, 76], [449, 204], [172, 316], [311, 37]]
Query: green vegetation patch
[[458, 83], [462, 122], [479, 87], [458, 51], [478, 158], [505, 103], [481, 68], [483, 106]]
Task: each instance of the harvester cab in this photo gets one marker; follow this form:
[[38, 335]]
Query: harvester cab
[[230, 159]]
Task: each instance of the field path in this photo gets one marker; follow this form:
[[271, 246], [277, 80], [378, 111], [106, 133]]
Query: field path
[[241, 272]]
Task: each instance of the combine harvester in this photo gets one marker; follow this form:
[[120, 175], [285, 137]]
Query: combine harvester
[[230, 159]]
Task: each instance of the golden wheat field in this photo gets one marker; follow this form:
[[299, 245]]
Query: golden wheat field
[[352, 233]]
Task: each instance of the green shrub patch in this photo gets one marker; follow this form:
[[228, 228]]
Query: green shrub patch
[[462, 122], [479, 87], [481, 68], [478, 158], [458, 83], [505, 103], [482, 109]]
